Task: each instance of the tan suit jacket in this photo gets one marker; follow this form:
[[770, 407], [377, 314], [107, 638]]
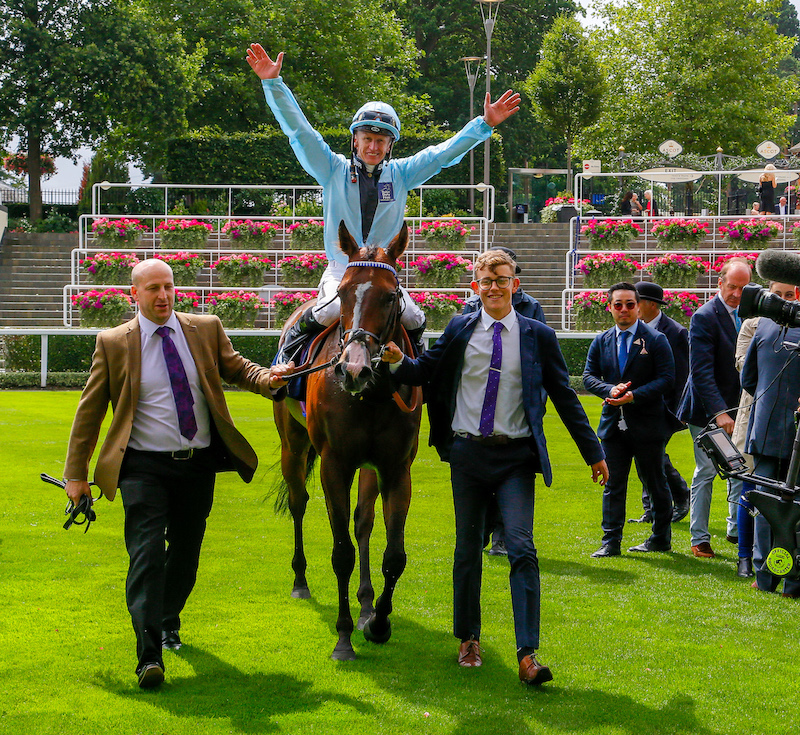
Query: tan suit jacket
[[116, 375]]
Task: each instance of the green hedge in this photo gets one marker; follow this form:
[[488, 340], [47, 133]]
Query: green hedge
[[575, 351], [32, 380]]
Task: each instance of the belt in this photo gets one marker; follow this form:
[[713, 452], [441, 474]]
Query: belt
[[493, 440], [181, 454]]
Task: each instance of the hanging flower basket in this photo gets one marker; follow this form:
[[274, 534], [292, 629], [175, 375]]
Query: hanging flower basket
[[751, 259], [439, 308], [608, 234], [309, 235], [442, 269], [117, 233], [251, 235], [680, 233], [185, 266], [605, 269], [676, 270], [183, 233], [109, 268], [284, 303], [236, 309], [756, 232], [186, 301], [446, 234], [100, 309], [589, 309], [242, 270], [681, 305], [302, 270]]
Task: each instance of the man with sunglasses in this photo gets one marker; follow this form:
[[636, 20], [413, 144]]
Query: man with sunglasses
[[487, 375], [368, 191], [631, 367]]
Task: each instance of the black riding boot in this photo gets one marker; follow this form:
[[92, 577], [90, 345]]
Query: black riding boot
[[298, 335], [415, 335]]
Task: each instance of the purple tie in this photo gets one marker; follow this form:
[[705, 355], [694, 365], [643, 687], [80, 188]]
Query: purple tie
[[492, 383], [180, 384]]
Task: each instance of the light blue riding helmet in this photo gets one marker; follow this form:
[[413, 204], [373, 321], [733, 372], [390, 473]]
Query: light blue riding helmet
[[378, 117]]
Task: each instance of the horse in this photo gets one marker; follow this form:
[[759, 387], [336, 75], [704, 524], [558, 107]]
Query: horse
[[355, 419]]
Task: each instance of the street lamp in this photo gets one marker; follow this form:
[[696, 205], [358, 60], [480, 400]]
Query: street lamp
[[489, 9], [471, 68]]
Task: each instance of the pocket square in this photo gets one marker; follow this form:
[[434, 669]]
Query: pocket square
[[640, 343]]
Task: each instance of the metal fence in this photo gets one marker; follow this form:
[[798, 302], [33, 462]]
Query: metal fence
[[49, 196]]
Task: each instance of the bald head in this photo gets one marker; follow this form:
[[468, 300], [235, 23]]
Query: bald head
[[733, 277], [146, 267], [153, 289]]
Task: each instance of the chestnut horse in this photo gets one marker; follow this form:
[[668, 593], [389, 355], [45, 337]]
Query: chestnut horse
[[355, 418]]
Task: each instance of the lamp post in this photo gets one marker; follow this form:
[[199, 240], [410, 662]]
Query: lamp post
[[489, 9], [471, 68]]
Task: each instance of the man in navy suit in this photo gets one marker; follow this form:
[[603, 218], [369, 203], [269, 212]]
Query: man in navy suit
[[651, 299], [712, 394], [630, 367], [772, 375], [486, 375]]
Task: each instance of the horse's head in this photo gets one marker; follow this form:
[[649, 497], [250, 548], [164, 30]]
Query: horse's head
[[371, 304]]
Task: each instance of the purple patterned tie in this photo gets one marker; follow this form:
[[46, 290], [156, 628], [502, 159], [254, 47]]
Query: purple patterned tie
[[180, 384], [492, 383]]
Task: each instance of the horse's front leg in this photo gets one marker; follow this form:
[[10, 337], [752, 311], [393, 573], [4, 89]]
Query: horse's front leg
[[396, 494], [363, 522], [336, 481]]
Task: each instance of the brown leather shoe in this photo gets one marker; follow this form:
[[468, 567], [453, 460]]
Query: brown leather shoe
[[469, 653], [703, 550], [532, 672]]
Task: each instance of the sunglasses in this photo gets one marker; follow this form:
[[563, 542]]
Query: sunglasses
[[486, 283], [620, 305], [380, 116]]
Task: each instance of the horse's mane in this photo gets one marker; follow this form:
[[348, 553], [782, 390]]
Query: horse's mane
[[375, 253]]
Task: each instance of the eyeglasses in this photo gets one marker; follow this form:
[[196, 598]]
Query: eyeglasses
[[620, 305], [373, 115], [486, 283]]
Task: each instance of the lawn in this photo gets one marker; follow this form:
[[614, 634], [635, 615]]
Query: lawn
[[660, 643]]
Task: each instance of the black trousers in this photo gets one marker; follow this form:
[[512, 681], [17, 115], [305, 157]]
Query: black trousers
[[166, 503]]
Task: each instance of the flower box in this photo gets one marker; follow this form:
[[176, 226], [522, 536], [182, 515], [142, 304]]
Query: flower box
[[100, 309], [442, 270], [302, 270], [680, 306], [756, 232], [554, 205], [185, 266], [109, 268], [186, 301], [242, 270], [680, 233], [605, 269], [183, 233], [589, 309], [608, 234], [447, 234], [284, 303], [251, 235], [308, 235], [236, 309], [117, 233], [439, 308], [751, 259], [676, 270]]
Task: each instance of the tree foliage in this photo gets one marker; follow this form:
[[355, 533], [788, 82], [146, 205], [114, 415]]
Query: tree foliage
[[699, 71]]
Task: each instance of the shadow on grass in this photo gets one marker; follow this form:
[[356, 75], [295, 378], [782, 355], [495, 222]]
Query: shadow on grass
[[219, 690]]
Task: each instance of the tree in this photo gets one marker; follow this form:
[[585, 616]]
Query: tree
[[699, 71], [567, 85]]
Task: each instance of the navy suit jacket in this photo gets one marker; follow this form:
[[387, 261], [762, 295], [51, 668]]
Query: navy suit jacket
[[678, 337], [650, 368], [771, 429], [713, 384], [522, 302], [543, 367]]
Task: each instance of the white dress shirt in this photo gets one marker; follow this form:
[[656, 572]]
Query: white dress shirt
[[155, 423], [509, 416]]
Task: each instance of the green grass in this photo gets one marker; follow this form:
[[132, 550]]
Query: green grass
[[637, 644]]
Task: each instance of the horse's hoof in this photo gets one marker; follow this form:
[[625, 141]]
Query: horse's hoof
[[377, 636], [362, 621], [301, 593], [343, 653]]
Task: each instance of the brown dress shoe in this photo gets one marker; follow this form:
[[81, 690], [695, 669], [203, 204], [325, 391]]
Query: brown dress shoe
[[469, 653], [532, 672], [703, 550]]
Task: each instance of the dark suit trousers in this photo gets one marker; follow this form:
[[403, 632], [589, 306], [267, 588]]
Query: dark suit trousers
[[621, 449], [166, 505], [479, 473]]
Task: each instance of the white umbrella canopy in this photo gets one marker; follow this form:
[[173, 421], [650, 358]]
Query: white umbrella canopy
[[754, 174]]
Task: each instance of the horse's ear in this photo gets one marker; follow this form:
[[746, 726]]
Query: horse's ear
[[346, 241], [398, 246]]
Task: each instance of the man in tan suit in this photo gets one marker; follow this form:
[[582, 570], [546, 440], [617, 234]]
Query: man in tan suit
[[170, 433]]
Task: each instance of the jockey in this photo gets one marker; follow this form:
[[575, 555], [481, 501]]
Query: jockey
[[368, 191]]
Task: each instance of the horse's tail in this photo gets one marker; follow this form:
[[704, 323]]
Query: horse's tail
[[280, 488]]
